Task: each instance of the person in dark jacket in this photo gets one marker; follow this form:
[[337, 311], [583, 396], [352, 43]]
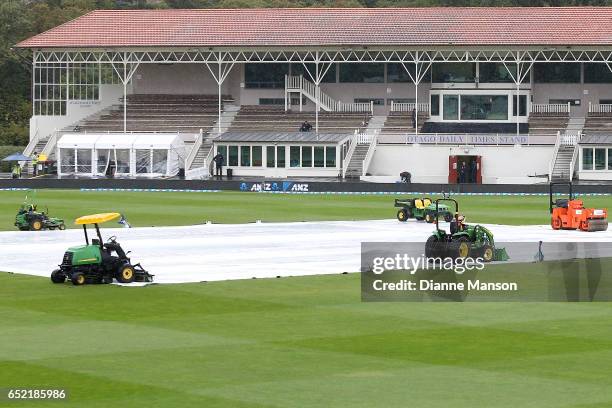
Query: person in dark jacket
[[462, 172], [306, 127], [473, 171], [414, 118], [219, 159]]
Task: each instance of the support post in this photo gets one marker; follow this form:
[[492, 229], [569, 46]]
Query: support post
[[219, 83], [317, 93], [416, 105], [518, 103]]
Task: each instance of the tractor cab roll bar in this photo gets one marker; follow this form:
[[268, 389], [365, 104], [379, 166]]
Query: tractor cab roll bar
[[551, 186], [451, 200]]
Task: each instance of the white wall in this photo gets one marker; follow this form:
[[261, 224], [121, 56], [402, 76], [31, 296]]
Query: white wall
[[75, 111], [429, 164]]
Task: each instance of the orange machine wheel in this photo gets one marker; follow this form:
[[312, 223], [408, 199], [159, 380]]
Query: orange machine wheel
[[555, 223], [584, 225]]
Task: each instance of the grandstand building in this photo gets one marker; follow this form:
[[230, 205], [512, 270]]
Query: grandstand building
[[522, 95]]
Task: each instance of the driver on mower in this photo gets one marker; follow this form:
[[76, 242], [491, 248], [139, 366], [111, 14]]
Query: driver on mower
[[98, 262]]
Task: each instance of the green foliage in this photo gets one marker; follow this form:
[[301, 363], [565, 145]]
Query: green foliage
[[5, 167]]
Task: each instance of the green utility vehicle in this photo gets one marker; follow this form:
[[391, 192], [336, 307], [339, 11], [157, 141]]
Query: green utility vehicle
[[463, 240], [28, 218], [98, 262], [421, 209]]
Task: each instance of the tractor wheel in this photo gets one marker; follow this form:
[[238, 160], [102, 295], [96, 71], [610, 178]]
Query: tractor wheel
[[57, 276], [402, 215], [555, 223], [460, 248], [429, 217], [78, 278], [487, 253], [448, 217], [62, 226], [36, 225], [431, 247], [126, 274], [106, 279]]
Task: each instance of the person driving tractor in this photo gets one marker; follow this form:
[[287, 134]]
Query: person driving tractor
[[457, 224]]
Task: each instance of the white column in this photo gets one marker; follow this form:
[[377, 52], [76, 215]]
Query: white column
[[416, 104], [317, 93], [124, 93], [219, 83], [518, 104]]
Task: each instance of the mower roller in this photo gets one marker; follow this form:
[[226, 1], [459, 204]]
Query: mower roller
[[463, 240], [570, 214], [421, 209], [98, 262]]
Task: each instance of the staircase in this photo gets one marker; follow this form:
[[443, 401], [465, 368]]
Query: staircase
[[567, 150], [563, 163], [297, 84], [202, 154], [375, 124], [355, 166]]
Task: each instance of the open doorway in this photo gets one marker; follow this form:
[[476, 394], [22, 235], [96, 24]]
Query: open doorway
[[465, 169]]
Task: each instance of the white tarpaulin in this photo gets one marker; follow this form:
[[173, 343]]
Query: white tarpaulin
[[130, 154], [219, 252]]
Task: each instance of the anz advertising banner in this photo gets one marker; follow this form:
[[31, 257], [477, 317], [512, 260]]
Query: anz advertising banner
[[285, 186]]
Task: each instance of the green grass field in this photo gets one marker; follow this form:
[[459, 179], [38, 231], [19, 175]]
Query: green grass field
[[147, 209], [291, 342]]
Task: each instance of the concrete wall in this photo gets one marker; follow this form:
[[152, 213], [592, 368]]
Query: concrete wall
[[429, 164], [75, 111]]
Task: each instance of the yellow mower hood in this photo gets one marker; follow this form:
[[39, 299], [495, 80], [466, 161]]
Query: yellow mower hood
[[97, 218]]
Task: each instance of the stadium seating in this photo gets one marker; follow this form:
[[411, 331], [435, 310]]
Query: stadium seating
[[598, 123], [275, 119], [547, 123], [159, 113], [401, 122]]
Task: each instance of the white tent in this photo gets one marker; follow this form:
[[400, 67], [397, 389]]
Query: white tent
[[125, 154]]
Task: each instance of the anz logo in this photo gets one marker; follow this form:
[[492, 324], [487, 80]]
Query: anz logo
[[300, 187]]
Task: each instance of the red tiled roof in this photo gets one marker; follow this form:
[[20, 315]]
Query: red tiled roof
[[327, 26]]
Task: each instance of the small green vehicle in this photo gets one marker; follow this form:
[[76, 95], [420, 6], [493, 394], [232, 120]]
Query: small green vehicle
[[98, 262], [463, 240], [421, 209], [28, 218]]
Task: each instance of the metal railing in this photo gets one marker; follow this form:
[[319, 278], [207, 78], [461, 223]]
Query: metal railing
[[550, 108], [409, 107], [349, 154], [601, 108], [297, 83], [369, 155], [551, 165], [194, 151]]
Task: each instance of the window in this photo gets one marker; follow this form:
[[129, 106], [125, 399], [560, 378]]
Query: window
[[597, 74], [600, 159], [450, 107], [400, 100], [330, 156], [83, 82], [245, 156], [306, 156], [573, 102], [122, 159], [605, 101], [330, 75], [294, 156], [270, 156], [319, 156], [50, 96], [67, 157], [609, 159], [492, 72], [522, 105], [556, 73], [397, 73], [143, 161], [377, 101], [160, 161], [265, 75], [257, 160], [453, 72], [370, 73], [435, 104], [484, 107], [280, 101], [233, 156], [280, 156], [222, 149], [103, 157], [587, 158]]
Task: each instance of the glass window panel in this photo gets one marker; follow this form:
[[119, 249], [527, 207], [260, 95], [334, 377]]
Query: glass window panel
[[245, 156], [435, 105], [160, 161], [450, 107], [222, 149], [522, 107], [319, 156], [270, 156], [103, 158], [143, 161], [265, 75], [600, 159], [330, 75], [84, 160], [609, 159], [587, 158], [233, 156], [556, 72], [294, 156], [330, 156], [484, 107], [494, 72], [257, 160], [280, 156], [356, 73], [306, 156], [122, 158], [453, 72], [67, 157], [597, 74]]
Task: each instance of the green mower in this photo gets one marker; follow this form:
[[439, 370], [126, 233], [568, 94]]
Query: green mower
[[98, 262], [421, 209], [463, 240], [29, 219]]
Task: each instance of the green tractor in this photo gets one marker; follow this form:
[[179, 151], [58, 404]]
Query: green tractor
[[98, 262], [463, 240], [29, 219], [421, 209]]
